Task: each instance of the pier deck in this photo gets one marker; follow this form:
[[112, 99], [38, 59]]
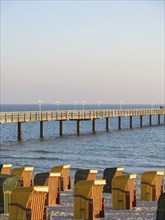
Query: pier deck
[[79, 115]]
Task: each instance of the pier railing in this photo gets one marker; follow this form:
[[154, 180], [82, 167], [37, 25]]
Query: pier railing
[[8, 117]]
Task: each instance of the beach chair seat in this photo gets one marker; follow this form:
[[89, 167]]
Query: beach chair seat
[[85, 174], [123, 193], [24, 174], [7, 184], [160, 214], [88, 199], [52, 181], [108, 175], [65, 180], [5, 168], [151, 185], [28, 203]]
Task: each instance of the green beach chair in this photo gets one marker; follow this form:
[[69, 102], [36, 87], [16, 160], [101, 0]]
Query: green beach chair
[[7, 184]]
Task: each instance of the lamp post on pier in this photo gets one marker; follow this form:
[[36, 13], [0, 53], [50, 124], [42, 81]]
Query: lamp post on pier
[[40, 108], [57, 104], [83, 104], [74, 105], [99, 103], [121, 103]]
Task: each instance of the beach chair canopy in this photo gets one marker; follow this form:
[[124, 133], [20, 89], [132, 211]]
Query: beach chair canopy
[[108, 175], [88, 200], [28, 203], [123, 193], [5, 168], [52, 180], [151, 185], [85, 174]]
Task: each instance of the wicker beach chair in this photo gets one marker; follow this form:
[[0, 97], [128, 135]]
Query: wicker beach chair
[[108, 175], [28, 203], [123, 193], [88, 199], [52, 181], [160, 214], [85, 174], [151, 185], [7, 184], [5, 168], [65, 181], [24, 174]]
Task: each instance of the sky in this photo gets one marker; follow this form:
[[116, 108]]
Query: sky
[[111, 51]]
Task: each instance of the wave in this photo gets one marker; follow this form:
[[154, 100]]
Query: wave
[[32, 158]]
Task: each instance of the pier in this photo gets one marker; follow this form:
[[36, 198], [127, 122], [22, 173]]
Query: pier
[[78, 116]]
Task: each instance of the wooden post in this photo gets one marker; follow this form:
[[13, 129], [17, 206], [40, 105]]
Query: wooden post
[[61, 127], [93, 125], [150, 116], [41, 129], [78, 126], [158, 119], [141, 121], [107, 124], [119, 123], [131, 125], [19, 131]]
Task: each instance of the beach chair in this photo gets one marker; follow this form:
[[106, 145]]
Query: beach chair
[[65, 181], [28, 203], [85, 174], [160, 214], [88, 199], [151, 185], [108, 175], [123, 193], [5, 168], [7, 184], [24, 174], [52, 181]]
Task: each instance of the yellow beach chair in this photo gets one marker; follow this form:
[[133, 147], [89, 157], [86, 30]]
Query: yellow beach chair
[[24, 174], [85, 174], [65, 181], [151, 185], [52, 180], [109, 174], [5, 168], [28, 203], [88, 199], [123, 193]]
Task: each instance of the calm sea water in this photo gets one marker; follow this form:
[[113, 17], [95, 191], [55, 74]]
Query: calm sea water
[[137, 149]]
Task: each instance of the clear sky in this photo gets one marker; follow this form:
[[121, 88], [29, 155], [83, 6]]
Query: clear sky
[[110, 51]]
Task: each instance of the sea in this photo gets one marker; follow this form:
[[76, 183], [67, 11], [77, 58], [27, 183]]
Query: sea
[[137, 149]]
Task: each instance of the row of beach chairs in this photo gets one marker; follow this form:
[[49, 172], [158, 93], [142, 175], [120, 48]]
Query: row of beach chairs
[[26, 198]]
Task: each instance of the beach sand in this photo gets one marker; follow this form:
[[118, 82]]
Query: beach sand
[[143, 210]]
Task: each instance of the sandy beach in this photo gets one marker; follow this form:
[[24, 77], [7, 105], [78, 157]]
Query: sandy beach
[[143, 210]]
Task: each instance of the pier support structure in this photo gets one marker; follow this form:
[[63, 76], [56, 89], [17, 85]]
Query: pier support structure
[[131, 121], [94, 125], [41, 129], [107, 124], [119, 122], [78, 126], [150, 120], [141, 121], [158, 119], [61, 127], [19, 131]]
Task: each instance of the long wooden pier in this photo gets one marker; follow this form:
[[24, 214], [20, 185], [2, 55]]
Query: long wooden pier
[[77, 115]]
